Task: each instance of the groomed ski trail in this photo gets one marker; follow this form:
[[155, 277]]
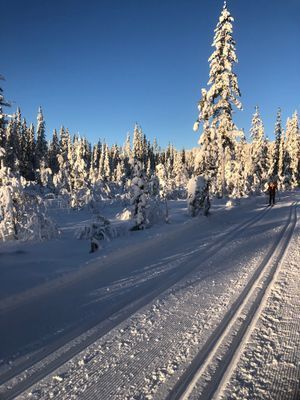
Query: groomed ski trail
[[209, 372], [43, 364]]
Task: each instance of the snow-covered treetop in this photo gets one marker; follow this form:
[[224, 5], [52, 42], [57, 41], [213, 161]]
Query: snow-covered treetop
[[223, 81], [40, 117], [3, 102], [257, 127], [278, 127], [215, 106]]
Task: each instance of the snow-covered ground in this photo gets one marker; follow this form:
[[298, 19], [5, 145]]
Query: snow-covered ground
[[269, 366], [196, 269]]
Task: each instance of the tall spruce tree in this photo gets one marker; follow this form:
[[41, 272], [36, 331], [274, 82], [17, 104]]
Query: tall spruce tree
[[13, 141], [30, 153], [292, 152], [215, 107], [277, 146], [53, 153], [41, 148], [3, 121], [258, 152]]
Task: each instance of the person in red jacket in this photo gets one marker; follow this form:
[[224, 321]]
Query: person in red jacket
[[272, 192]]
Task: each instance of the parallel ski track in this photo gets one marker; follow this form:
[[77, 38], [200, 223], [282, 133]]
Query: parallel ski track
[[47, 361], [250, 299]]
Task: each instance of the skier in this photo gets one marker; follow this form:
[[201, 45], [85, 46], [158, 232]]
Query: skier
[[272, 190]]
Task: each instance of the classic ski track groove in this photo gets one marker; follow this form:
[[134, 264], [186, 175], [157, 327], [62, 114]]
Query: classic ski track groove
[[283, 381], [216, 344], [48, 361]]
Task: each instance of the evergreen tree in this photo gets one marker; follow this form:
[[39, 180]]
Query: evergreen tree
[[277, 145], [215, 107], [292, 152], [13, 141], [106, 164], [30, 153], [79, 175], [62, 179], [127, 147], [11, 201], [22, 216], [64, 142], [237, 175], [3, 121], [258, 152], [54, 151], [94, 165], [120, 175], [23, 153], [139, 198], [165, 187], [138, 144], [180, 173], [41, 148]]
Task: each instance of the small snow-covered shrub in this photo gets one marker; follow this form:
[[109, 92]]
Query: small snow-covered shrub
[[98, 229], [156, 213], [35, 223], [38, 227], [230, 203], [198, 196]]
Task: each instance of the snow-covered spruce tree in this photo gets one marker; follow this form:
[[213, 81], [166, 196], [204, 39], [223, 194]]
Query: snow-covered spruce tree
[[180, 172], [292, 152], [62, 179], [94, 165], [104, 171], [44, 175], [237, 171], [41, 148], [126, 156], [139, 199], [138, 144], [53, 153], [277, 145], [165, 188], [281, 162], [106, 164], [13, 141], [11, 202], [87, 153], [127, 147], [28, 151], [3, 121], [23, 141], [198, 196], [99, 229], [258, 152], [215, 106], [115, 159], [80, 192], [21, 213], [120, 175]]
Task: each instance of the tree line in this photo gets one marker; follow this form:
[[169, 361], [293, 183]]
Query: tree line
[[70, 167]]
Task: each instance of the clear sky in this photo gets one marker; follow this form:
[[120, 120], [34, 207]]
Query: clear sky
[[97, 67]]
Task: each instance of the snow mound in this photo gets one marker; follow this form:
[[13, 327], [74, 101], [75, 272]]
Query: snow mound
[[124, 215]]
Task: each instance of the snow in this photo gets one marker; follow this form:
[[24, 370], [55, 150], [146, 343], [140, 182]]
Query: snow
[[268, 367], [147, 353]]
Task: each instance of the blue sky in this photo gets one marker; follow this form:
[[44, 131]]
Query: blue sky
[[97, 67]]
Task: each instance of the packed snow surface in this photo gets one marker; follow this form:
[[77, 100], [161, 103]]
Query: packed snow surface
[[146, 353]]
